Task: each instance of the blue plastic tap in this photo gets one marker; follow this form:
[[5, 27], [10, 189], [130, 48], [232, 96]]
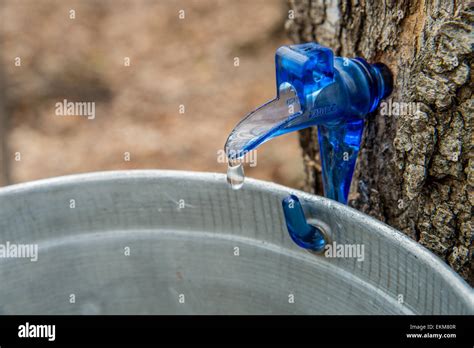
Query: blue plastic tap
[[303, 234], [314, 88]]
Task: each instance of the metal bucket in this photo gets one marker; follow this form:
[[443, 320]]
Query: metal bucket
[[166, 242]]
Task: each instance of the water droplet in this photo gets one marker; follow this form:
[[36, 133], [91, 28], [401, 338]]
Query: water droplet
[[235, 175]]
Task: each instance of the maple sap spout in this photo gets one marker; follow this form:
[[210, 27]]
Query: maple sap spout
[[314, 88]]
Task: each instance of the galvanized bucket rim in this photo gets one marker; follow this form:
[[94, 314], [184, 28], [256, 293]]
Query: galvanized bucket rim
[[459, 284]]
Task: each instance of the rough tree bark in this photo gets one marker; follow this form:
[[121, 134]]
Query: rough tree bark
[[415, 172]]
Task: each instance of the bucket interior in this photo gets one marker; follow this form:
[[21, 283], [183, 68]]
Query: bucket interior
[[158, 242]]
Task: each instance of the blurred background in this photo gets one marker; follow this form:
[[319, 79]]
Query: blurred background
[[175, 64]]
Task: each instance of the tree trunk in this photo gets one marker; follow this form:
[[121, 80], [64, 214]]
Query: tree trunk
[[414, 171]]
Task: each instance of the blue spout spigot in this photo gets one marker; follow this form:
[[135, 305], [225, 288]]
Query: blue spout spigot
[[314, 88], [303, 234]]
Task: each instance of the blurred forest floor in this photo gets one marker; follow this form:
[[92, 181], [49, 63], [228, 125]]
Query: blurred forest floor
[[173, 62]]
